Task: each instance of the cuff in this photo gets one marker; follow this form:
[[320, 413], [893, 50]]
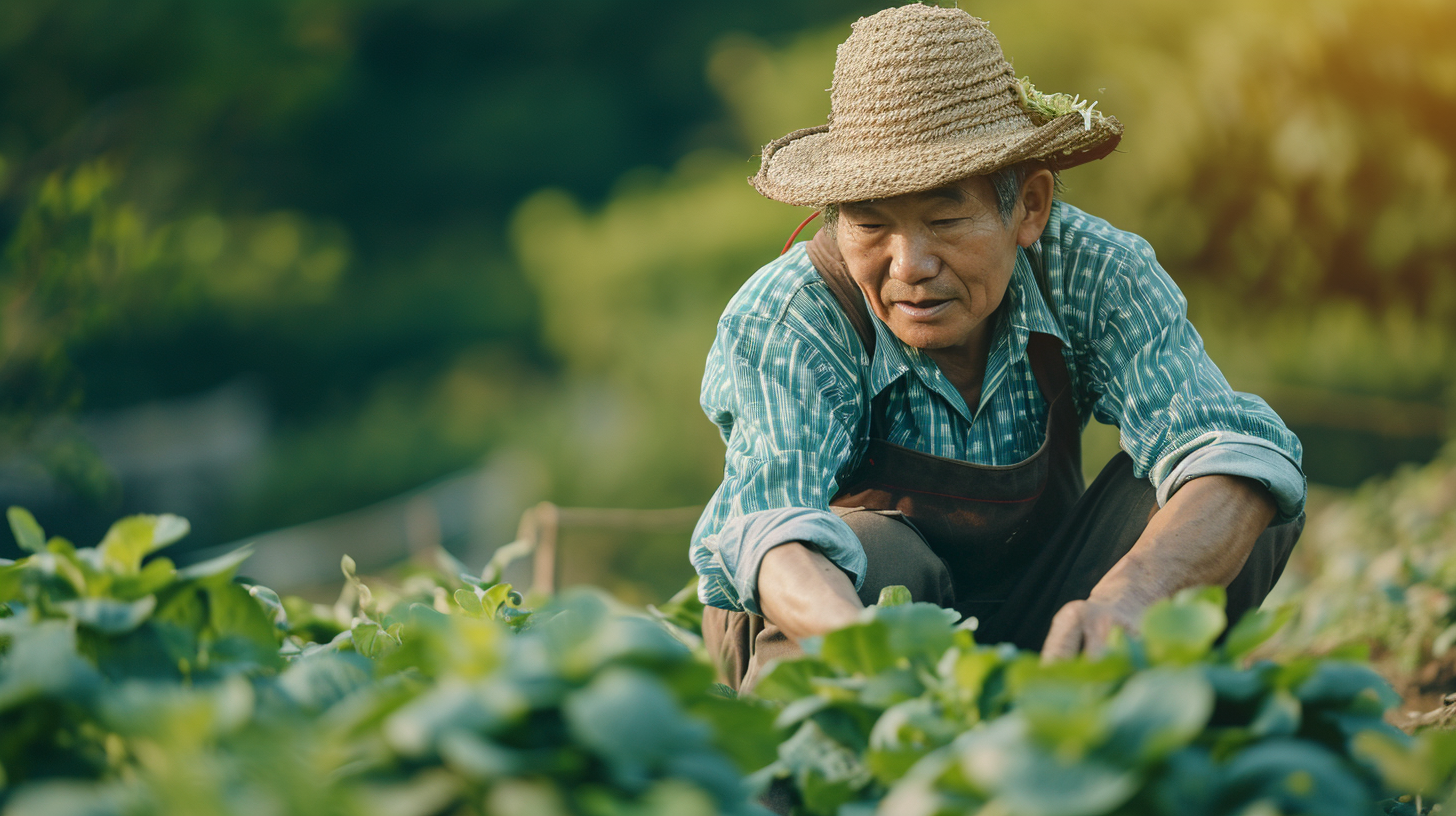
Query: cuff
[[757, 533], [1235, 454]]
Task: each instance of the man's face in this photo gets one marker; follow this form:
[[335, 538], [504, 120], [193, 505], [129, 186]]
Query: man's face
[[933, 265]]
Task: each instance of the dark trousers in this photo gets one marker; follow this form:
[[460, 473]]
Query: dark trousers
[[1100, 529]]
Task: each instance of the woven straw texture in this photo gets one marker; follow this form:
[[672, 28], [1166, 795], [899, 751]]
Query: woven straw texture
[[922, 96]]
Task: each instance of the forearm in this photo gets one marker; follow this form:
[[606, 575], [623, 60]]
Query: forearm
[[804, 593], [1203, 535]]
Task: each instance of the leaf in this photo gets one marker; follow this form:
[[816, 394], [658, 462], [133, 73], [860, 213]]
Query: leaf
[[1338, 683], [366, 598], [1069, 717], [245, 637], [628, 719], [469, 602], [1181, 629], [1253, 629], [222, 566], [860, 648], [684, 609], [158, 573], [27, 532], [1294, 776], [476, 758], [742, 729], [1000, 759], [894, 596], [1419, 765], [12, 577], [1157, 712], [497, 597], [1444, 641], [906, 732], [315, 683], [169, 530], [816, 758], [1240, 685], [1279, 716], [371, 640], [786, 680], [66, 797], [42, 660], [271, 603], [108, 616], [131, 539]]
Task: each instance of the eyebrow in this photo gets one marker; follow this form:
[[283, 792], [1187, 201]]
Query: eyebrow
[[950, 192]]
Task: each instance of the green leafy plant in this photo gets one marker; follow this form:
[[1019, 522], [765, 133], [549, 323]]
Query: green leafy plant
[[129, 686], [441, 695], [906, 713]]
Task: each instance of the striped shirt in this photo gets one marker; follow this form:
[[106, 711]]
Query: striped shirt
[[789, 384]]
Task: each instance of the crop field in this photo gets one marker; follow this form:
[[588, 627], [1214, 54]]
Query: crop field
[[130, 686]]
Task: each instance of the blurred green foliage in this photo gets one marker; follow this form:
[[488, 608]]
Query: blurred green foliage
[[1267, 148], [311, 195], [432, 231], [1383, 576]]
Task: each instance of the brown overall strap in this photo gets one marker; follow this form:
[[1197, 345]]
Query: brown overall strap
[[824, 254]]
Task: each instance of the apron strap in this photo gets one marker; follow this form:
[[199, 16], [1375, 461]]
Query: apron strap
[[829, 263]]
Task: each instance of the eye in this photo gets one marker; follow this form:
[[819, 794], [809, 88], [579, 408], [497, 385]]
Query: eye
[[946, 222]]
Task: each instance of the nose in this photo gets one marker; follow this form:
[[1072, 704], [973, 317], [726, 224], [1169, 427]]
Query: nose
[[911, 259]]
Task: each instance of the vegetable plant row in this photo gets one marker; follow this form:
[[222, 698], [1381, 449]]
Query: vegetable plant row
[[131, 686]]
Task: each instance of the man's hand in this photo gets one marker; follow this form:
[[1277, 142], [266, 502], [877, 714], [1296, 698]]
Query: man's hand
[[1201, 536], [1085, 626], [804, 593]]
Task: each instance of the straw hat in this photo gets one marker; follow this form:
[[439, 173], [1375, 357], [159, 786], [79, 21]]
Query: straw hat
[[923, 96]]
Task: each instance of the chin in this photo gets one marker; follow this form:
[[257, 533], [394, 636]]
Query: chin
[[925, 338]]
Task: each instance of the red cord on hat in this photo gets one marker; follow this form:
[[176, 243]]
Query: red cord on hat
[[790, 242]]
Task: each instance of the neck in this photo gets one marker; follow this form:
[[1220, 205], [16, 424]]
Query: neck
[[965, 364]]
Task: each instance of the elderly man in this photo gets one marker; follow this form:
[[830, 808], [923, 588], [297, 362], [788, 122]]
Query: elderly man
[[903, 397]]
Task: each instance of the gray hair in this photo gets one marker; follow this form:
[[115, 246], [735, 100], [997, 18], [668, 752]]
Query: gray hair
[[1006, 182]]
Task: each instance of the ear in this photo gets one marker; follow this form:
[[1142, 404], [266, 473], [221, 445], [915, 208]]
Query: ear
[[1036, 207]]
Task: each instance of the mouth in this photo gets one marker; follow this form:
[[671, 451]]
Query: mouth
[[921, 309]]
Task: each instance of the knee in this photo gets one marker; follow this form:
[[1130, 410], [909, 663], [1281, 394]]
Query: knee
[[897, 555]]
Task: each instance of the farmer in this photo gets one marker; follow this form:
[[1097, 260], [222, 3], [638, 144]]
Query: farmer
[[903, 397]]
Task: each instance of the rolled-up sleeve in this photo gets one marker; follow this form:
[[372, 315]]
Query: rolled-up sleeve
[[1177, 415], [788, 412]]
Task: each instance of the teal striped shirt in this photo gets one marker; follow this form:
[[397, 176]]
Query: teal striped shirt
[[789, 384]]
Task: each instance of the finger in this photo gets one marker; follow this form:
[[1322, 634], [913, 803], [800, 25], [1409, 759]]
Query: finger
[[1095, 635], [1064, 638]]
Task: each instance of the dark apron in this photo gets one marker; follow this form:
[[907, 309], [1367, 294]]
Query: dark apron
[[987, 523]]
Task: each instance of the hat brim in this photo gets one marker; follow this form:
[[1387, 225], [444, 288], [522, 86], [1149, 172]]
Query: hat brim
[[812, 168]]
